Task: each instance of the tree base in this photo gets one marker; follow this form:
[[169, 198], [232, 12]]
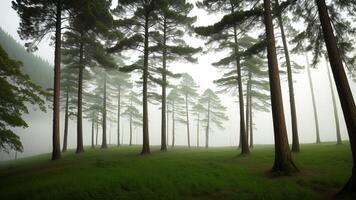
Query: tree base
[[349, 189], [285, 168], [79, 151]]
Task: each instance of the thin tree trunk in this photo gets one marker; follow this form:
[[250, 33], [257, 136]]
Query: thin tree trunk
[[343, 88], [97, 132], [167, 124], [283, 161], [248, 109], [56, 151], [109, 132], [336, 116], [80, 147], [104, 144], [313, 99], [173, 124], [207, 127], [187, 115], [251, 122], [118, 115], [198, 125], [145, 141], [92, 133], [164, 96], [130, 125], [295, 137], [64, 149]]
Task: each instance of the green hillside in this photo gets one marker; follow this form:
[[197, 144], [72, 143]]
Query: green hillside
[[40, 71], [181, 173]]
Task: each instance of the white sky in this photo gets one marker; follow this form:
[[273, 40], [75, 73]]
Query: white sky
[[37, 138]]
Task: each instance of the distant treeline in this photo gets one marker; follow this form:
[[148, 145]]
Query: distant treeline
[[40, 71]]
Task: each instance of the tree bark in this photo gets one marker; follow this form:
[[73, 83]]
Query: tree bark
[[173, 124], [118, 115], [97, 132], [243, 137], [164, 96], [283, 162], [65, 138], [104, 143], [251, 122], [80, 147], [56, 151], [336, 115], [313, 99], [295, 137], [145, 141], [343, 88], [167, 113], [187, 115], [130, 125], [92, 133], [247, 108]]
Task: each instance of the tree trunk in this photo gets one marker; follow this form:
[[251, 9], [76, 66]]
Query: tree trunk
[[207, 127], [145, 141], [251, 123], [56, 151], [248, 108], [295, 137], [104, 144], [130, 125], [173, 124], [187, 115], [65, 138], [118, 115], [313, 99], [167, 113], [343, 88], [336, 116], [198, 130], [80, 147], [97, 132], [92, 133], [164, 78], [283, 162]]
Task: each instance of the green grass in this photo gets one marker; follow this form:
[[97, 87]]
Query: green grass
[[180, 173]]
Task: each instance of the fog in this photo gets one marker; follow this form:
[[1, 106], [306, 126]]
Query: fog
[[37, 138]]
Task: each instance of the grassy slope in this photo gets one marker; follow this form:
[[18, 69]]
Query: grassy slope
[[217, 173]]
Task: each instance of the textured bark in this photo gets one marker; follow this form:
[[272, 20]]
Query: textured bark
[[65, 137], [164, 95], [336, 115], [283, 162], [56, 151], [207, 127], [344, 91], [314, 103], [80, 147], [118, 115], [104, 144], [146, 142], [243, 137], [187, 115], [295, 136]]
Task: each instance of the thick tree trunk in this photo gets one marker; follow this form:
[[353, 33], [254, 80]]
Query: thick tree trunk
[[164, 96], [56, 151], [336, 115], [65, 138], [198, 126], [295, 137], [146, 142], [343, 88], [313, 99], [118, 115], [104, 144], [187, 115], [207, 127], [283, 162], [80, 147]]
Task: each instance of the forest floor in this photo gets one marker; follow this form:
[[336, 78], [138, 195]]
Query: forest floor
[[180, 173]]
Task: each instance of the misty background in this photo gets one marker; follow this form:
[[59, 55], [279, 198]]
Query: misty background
[[37, 138]]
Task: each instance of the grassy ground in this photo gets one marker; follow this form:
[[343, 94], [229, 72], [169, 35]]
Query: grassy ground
[[180, 173]]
